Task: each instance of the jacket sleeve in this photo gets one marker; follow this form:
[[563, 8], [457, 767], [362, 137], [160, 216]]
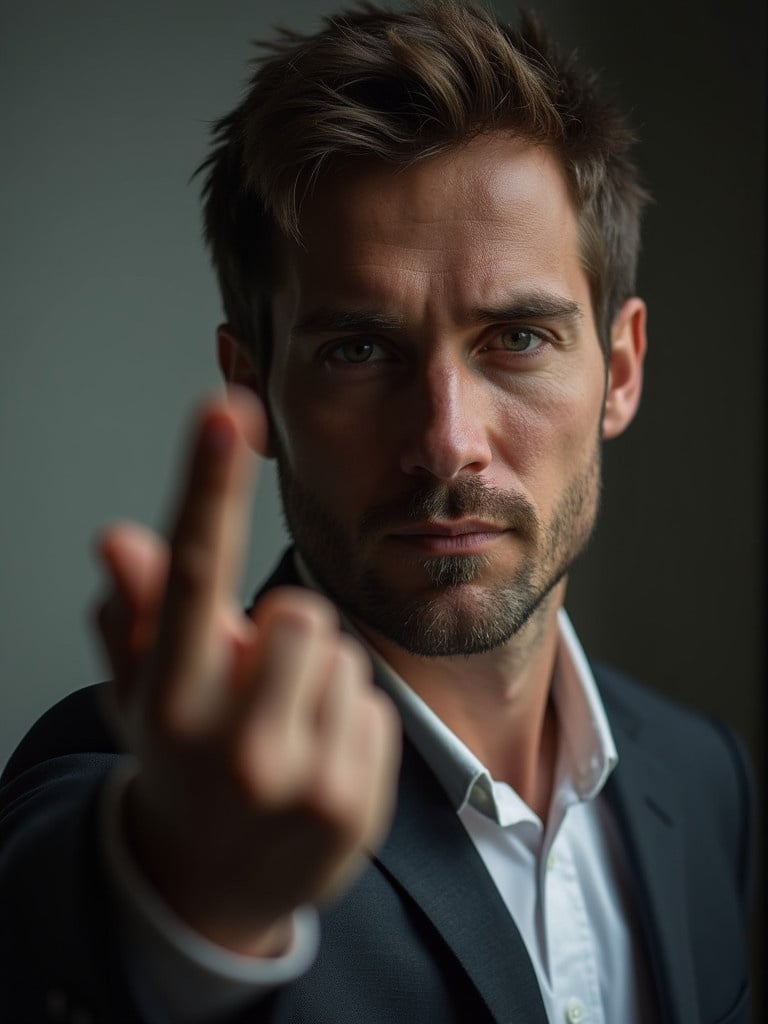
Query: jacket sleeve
[[64, 942], [58, 950]]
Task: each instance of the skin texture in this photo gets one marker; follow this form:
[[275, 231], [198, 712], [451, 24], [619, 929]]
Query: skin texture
[[449, 418], [436, 401], [438, 398], [267, 758]]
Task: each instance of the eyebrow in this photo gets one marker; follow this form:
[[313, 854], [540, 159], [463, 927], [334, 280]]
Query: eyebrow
[[531, 306], [323, 320]]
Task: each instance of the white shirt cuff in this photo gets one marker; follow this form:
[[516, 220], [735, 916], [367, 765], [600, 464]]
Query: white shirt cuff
[[175, 971]]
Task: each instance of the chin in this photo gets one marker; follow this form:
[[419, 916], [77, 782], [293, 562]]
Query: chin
[[463, 617]]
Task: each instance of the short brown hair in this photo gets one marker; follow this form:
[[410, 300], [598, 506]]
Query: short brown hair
[[401, 86]]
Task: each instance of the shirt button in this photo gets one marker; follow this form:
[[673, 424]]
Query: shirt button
[[551, 860], [575, 1012]]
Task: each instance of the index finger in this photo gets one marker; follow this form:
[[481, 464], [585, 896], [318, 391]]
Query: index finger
[[206, 547]]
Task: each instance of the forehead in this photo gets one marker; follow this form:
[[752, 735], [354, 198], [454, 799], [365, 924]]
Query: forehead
[[466, 226]]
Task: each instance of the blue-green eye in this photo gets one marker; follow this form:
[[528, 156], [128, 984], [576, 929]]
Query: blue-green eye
[[519, 339]]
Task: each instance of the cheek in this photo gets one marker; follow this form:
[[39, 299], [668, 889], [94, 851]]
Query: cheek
[[550, 432]]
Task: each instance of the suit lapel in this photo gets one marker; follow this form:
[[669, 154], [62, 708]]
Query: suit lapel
[[649, 809], [429, 856]]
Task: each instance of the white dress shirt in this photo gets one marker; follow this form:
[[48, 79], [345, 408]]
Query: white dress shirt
[[565, 882]]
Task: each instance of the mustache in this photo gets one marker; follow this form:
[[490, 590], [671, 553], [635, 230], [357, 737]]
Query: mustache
[[470, 498]]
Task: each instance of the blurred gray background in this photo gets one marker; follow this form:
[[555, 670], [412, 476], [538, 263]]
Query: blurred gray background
[[108, 310]]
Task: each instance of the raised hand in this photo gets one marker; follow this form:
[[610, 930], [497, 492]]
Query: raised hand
[[267, 758]]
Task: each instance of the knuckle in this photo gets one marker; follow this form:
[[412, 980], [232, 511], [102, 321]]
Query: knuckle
[[256, 776], [338, 806], [380, 729], [270, 765], [303, 609], [352, 658], [384, 712]]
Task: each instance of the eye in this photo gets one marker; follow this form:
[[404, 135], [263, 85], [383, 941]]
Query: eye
[[356, 350], [520, 339]]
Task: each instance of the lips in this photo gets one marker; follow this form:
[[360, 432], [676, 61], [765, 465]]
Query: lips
[[448, 528], [468, 536]]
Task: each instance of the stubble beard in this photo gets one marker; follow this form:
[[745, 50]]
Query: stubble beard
[[454, 614]]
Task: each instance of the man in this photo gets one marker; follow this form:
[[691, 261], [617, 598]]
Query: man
[[425, 227]]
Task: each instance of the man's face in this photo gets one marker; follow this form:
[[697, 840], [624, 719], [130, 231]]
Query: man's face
[[436, 393]]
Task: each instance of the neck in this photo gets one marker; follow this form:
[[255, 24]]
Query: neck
[[498, 703]]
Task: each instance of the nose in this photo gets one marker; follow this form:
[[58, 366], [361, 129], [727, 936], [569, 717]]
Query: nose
[[445, 424]]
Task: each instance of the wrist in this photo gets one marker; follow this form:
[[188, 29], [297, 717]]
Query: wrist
[[164, 859]]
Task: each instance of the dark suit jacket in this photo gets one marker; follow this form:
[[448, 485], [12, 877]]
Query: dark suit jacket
[[423, 936]]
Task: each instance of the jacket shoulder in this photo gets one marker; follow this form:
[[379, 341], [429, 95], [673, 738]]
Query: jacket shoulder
[[702, 758], [74, 725], [666, 725]]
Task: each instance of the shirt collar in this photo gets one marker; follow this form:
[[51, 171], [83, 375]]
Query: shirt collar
[[587, 750]]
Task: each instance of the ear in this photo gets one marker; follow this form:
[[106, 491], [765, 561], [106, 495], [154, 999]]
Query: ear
[[625, 368], [238, 368]]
